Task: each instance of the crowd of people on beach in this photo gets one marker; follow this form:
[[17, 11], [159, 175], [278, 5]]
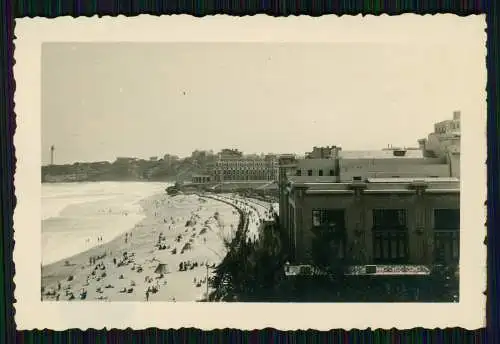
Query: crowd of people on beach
[[104, 269]]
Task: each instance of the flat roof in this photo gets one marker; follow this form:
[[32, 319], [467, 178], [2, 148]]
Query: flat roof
[[328, 181], [382, 185], [312, 179], [329, 191], [413, 179], [379, 154]]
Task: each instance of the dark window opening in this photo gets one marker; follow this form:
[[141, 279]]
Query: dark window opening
[[446, 219], [328, 217], [390, 237], [390, 247], [320, 173], [356, 178], [389, 219], [446, 235], [291, 236], [329, 228], [309, 172], [332, 172], [446, 246], [299, 172]]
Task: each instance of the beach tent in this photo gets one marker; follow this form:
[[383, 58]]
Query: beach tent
[[161, 269]]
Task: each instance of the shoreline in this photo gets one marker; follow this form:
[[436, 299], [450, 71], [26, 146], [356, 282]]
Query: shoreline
[[139, 242], [109, 242]]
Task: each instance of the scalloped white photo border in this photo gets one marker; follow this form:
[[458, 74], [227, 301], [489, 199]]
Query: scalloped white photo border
[[32, 313]]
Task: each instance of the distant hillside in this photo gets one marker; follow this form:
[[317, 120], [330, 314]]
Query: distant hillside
[[123, 170]]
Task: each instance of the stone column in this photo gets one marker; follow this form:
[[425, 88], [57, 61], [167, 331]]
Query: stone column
[[302, 240], [359, 235], [417, 236], [360, 240]]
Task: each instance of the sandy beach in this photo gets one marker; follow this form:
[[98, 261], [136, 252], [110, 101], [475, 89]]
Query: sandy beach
[[166, 257]]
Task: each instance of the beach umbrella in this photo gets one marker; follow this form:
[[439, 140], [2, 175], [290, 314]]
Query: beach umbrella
[[161, 269]]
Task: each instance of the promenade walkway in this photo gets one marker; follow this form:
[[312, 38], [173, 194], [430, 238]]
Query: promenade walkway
[[257, 212]]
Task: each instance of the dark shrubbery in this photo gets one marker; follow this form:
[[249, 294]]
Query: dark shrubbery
[[249, 272]]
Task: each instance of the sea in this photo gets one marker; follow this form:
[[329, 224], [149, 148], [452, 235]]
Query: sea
[[75, 215]]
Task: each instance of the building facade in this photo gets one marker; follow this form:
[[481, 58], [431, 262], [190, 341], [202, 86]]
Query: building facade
[[232, 166], [377, 221], [374, 207]]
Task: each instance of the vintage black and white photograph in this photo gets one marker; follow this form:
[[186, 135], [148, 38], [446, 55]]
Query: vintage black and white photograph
[[258, 172]]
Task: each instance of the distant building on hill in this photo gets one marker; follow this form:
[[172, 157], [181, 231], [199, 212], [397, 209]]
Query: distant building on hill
[[445, 138], [226, 154]]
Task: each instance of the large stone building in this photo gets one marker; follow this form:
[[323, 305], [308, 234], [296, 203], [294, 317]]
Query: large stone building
[[232, 166], [372, 207], [444, 142]]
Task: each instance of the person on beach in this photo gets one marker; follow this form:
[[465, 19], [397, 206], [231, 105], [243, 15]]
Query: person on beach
[[147, 294]]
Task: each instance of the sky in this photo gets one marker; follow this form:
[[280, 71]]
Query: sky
[[105, 100]]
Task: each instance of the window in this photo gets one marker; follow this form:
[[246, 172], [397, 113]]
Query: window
[[309, 172], [320, 172], [390, 238], [292, 234], [299, 173], [446, 235], [332, 172], [332, 218], [356, 178], [446, 219], [389, 219], [329, 228]]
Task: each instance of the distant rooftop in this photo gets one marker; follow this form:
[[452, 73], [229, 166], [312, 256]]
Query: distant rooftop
[[379, 154]]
